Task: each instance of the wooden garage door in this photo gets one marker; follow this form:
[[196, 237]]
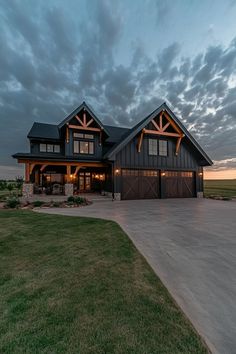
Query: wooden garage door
[[179, 184], [140, 184]]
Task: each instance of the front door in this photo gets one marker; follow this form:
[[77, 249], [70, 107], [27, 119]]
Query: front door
[[84, 181]]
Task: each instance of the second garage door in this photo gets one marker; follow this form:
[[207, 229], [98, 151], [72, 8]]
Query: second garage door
[[140, 184], [179, 184]]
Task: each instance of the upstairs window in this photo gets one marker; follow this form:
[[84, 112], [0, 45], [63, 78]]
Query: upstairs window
[[163, 148], [49, 148], [83, 147], [152, 147], [83, 136], [83, 143]]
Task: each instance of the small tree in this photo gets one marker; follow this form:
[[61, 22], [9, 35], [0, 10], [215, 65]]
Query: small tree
[[19, 182]]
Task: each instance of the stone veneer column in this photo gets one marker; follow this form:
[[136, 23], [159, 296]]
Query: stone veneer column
[[27, 190], [69, 189]]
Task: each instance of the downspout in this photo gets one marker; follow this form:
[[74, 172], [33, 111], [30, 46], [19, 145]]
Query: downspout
[[113, 181]]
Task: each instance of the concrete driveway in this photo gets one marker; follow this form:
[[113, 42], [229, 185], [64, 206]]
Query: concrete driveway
[[191, 245]]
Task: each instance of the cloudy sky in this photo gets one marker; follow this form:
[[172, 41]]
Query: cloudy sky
[[124, 58]]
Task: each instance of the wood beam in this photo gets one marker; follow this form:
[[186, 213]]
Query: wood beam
[[62, 163], [165, 126], [178, 145], [89, 122], [155, 132], [161, 120], [155, 125], [172, 123], [77, 170], [84, 128], [67, 133], [32, 167], [43, 167], [84, 118], [27, 172], [140, 141], [79, 120]]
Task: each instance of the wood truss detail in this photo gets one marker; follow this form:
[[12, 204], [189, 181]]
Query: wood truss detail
[[162, 131], [84, 124]]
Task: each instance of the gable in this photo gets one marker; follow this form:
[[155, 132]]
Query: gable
[[162, 122], [84, 119]]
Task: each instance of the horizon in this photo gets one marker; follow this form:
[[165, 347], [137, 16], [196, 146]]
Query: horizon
[[124, 59]]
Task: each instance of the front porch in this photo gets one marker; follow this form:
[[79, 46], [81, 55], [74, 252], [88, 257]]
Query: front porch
[[66, 178]]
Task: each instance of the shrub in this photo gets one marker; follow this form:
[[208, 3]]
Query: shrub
[[56, 204], [12, 202], [37, 203], [10, 187], [71, 199], [79, 200]]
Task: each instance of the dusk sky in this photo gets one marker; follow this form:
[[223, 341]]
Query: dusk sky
[[124, 58]]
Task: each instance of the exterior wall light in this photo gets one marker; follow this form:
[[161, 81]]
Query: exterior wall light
[[163, 174], [117, 171], [200, 174]]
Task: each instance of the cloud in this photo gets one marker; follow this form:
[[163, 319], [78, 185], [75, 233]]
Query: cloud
[[52, 57]]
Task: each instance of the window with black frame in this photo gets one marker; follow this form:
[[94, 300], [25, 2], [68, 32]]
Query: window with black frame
[[83, 143]]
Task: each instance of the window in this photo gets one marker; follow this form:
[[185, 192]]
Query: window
[[76, 146], [56, 148], [43, 147], [88, 136], [78, 135], [152, 146], [83, 147], [83, 136], [49, 148], [163, 148]]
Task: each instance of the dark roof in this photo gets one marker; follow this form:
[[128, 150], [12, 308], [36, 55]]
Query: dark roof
[[115, 133], [138, 127], [50, 157], [77, 110], [44, 131]]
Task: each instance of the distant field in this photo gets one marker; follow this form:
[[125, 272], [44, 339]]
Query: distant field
[[221, 187]]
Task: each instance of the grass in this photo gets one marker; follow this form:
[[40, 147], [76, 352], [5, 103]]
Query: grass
[[223, 188], [78, 285]]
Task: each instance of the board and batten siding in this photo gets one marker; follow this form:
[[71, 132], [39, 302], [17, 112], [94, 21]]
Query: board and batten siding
[[186, 160]]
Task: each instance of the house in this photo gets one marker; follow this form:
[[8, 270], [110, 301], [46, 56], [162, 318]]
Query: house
[[157, 158]]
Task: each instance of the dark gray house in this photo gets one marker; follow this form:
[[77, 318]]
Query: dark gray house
[[157, 158]]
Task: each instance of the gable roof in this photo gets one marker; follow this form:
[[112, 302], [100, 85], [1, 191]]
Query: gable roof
[[76, 111], [44, 131], [115, 133], [138, 127]]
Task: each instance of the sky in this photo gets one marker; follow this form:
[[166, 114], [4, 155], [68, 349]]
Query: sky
[[124, 58]]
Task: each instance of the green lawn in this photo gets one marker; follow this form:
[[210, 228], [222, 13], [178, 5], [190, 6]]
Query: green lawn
[[78, 285], [221, 187]]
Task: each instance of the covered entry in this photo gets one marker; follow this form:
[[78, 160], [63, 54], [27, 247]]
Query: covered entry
[[140, 184], [179, 184]]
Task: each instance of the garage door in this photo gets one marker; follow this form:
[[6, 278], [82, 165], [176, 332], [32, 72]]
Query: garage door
[[140, 184], [179, 184]]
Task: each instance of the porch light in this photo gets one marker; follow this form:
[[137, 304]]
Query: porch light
[[200, 174], [117, 171], [163, 174], [71, 176], [96, 176]]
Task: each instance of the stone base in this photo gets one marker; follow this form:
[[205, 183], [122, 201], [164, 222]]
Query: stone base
[[117, 196], [69, 189], [27, 190], [200, 195]]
